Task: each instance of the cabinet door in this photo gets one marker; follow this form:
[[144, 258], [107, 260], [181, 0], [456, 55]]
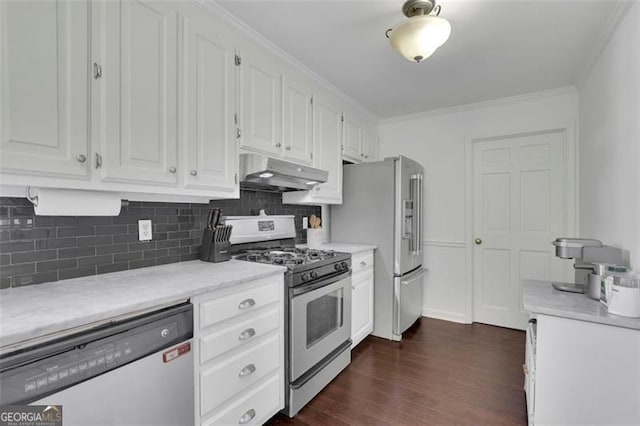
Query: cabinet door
[[45, 76], [261, 97], [327, 135], [137, 91], [362, 306], [298, 142], [208, 130], [370, 151], [352, 140]]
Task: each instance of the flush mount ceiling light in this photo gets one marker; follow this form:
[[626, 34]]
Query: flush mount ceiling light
[[420, 35]]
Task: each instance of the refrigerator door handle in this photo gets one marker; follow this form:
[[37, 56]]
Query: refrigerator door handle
[[416, 197]]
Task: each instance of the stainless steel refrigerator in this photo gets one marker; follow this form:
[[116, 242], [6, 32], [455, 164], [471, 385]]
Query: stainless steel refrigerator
[[382, 205]]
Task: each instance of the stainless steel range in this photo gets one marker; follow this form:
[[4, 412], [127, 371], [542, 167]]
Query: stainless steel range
[[318, 285]]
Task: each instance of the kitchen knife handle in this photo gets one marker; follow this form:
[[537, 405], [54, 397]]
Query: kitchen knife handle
[[216, 217]]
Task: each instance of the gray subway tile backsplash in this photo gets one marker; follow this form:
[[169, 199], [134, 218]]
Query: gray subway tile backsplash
[[38, 249]]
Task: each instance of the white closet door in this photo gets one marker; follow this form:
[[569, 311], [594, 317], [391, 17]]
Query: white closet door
[[44, 80], [138, 91], [519, 188]]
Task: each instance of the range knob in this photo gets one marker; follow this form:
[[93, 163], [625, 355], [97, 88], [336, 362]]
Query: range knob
[[305, 277], [337, 267], [344, 265], [313, 274]]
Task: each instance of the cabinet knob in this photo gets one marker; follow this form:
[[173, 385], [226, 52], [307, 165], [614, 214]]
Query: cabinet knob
[[362, 155], [288, 148], [478, 241], [172, 169], [247, 303], [247, 416], [81, 158], [278, 145], [366, 156], [363, 263], [193, 173], [247, 334], [247, 370]]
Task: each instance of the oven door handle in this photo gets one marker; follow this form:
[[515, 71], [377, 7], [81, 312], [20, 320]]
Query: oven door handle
[[297, 291]]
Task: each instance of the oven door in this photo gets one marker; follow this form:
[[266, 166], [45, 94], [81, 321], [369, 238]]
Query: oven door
[[319, 320]]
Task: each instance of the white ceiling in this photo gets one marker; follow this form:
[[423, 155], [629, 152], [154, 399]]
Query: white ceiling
[[497, 48]]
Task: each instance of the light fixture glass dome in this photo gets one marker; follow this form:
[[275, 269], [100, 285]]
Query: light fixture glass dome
[[419, 36]]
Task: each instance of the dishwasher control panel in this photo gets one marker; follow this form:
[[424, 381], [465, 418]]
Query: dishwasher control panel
[[81, 359]]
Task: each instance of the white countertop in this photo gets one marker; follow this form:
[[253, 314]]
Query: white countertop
[[41, 310], [352, 248], [539, 297]]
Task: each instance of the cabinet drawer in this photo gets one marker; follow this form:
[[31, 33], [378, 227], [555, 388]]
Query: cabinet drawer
[[226, 307], [362, 261], [253, 408], [237, 335], [225, 379]]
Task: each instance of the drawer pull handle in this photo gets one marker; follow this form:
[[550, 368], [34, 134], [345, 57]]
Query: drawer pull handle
[[363, 263], [247, 303], [247, 334], [247, 371], [247, 417]]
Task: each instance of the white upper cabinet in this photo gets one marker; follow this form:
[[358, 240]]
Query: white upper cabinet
[[327, 135], [137, 112], [207, 126], [298, 121], [352, 149], [44, 85], [370, 146], [261, 104]]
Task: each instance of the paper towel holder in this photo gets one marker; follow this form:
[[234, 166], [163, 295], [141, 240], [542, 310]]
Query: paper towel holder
[[34, 198]]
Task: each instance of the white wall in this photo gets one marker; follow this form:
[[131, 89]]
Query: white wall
[[437, 140], [609, 148]]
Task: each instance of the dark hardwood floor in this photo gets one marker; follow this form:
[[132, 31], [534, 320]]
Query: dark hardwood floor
[[442, 373]]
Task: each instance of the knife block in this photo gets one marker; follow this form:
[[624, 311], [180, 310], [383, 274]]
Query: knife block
[[213, 250]]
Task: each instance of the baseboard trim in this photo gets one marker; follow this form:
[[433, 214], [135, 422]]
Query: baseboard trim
[[444, 315]]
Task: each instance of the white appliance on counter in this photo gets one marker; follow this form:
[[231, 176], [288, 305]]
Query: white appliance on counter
[[382, 205], [134, 371]]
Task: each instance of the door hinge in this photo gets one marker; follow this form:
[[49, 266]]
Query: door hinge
[[238, 133], [311, 155], [98, 160], [342, 118], [235, 178], [238, 60], [235, 118], [311, 100]]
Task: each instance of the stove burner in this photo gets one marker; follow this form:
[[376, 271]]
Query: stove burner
[[287, 256]]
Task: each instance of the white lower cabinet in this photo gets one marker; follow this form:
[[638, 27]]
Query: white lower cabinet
[[239, 353], [361, 296], [579, 372]]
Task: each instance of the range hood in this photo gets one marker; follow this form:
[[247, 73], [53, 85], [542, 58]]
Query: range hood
[[261, 172]]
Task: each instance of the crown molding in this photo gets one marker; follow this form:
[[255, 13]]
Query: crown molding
[[214, 9], [618, 13], [484, 104]]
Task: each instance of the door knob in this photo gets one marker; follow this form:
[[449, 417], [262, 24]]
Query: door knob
[[478, 241]]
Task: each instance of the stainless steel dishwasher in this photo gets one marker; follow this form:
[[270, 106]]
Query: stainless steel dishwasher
[[136, 371]]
